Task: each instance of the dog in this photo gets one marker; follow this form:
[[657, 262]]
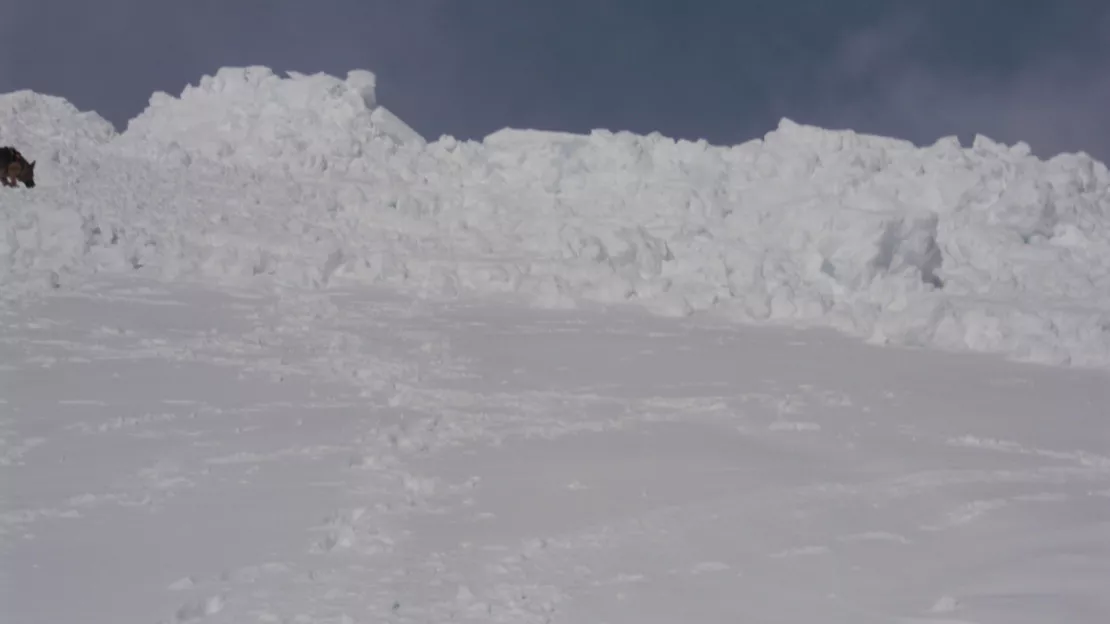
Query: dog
[[14, 168]]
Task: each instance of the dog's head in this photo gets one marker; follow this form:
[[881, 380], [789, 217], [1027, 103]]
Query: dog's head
[[27, 176], [23, 171]]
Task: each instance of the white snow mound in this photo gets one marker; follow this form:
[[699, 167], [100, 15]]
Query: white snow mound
[[306, 180], [251, 116], [51, 131]]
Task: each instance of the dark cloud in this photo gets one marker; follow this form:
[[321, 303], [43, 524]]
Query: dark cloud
[[1033, 70]]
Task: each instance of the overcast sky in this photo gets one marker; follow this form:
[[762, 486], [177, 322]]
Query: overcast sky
[[723, 70]]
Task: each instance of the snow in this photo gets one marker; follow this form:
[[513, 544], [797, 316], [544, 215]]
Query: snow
[[252, 117], [268, 355], [307, 178], [176, 453]]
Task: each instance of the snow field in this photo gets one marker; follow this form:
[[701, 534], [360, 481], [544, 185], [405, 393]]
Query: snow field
[[306, 180], [208, 455]]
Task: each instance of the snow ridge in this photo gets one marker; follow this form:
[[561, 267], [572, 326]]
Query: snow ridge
[[304, 180]]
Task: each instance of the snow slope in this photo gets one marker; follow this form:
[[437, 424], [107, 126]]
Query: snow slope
[[205, 455], [306, 180]]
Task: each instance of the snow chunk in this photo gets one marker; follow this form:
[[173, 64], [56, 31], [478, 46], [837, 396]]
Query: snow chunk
[[33, 121], [251, 116]]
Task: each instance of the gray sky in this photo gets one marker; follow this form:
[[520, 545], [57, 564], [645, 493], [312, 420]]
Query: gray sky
[[723, 70]]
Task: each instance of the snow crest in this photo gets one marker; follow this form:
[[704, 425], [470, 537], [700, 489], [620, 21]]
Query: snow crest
[[253, 117], [306, 179]]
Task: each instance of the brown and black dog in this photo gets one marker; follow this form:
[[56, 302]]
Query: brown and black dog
[[14, 168]]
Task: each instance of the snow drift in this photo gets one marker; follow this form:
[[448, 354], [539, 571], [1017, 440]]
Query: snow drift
[[306, 180]]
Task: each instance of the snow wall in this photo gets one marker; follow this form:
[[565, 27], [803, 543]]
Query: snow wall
[[307, 181]]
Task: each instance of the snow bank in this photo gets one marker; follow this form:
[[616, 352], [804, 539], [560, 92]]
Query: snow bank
[[136, 216], [306, 180], [986, 248]]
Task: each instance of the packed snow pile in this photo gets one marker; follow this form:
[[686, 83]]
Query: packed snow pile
[[253, 117], [307, 180], [27, 118], [987, 248], [51, 131]]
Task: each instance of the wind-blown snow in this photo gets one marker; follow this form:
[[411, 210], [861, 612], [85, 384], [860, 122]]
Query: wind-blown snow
[[307, 180]]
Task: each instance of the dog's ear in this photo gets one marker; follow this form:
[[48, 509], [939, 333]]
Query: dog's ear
[[32, 165]]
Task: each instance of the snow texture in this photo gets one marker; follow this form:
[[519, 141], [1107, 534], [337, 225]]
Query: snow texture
[[308, 181], [264, 359], [214, 455]]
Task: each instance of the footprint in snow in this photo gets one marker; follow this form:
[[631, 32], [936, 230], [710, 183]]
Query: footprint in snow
[[710, 566], [200, 609], [800, 552]]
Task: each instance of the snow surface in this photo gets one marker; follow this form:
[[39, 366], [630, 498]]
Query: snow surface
[[175, 453], [263, 358]]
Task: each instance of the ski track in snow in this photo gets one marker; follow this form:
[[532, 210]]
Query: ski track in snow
[[190, 454]]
